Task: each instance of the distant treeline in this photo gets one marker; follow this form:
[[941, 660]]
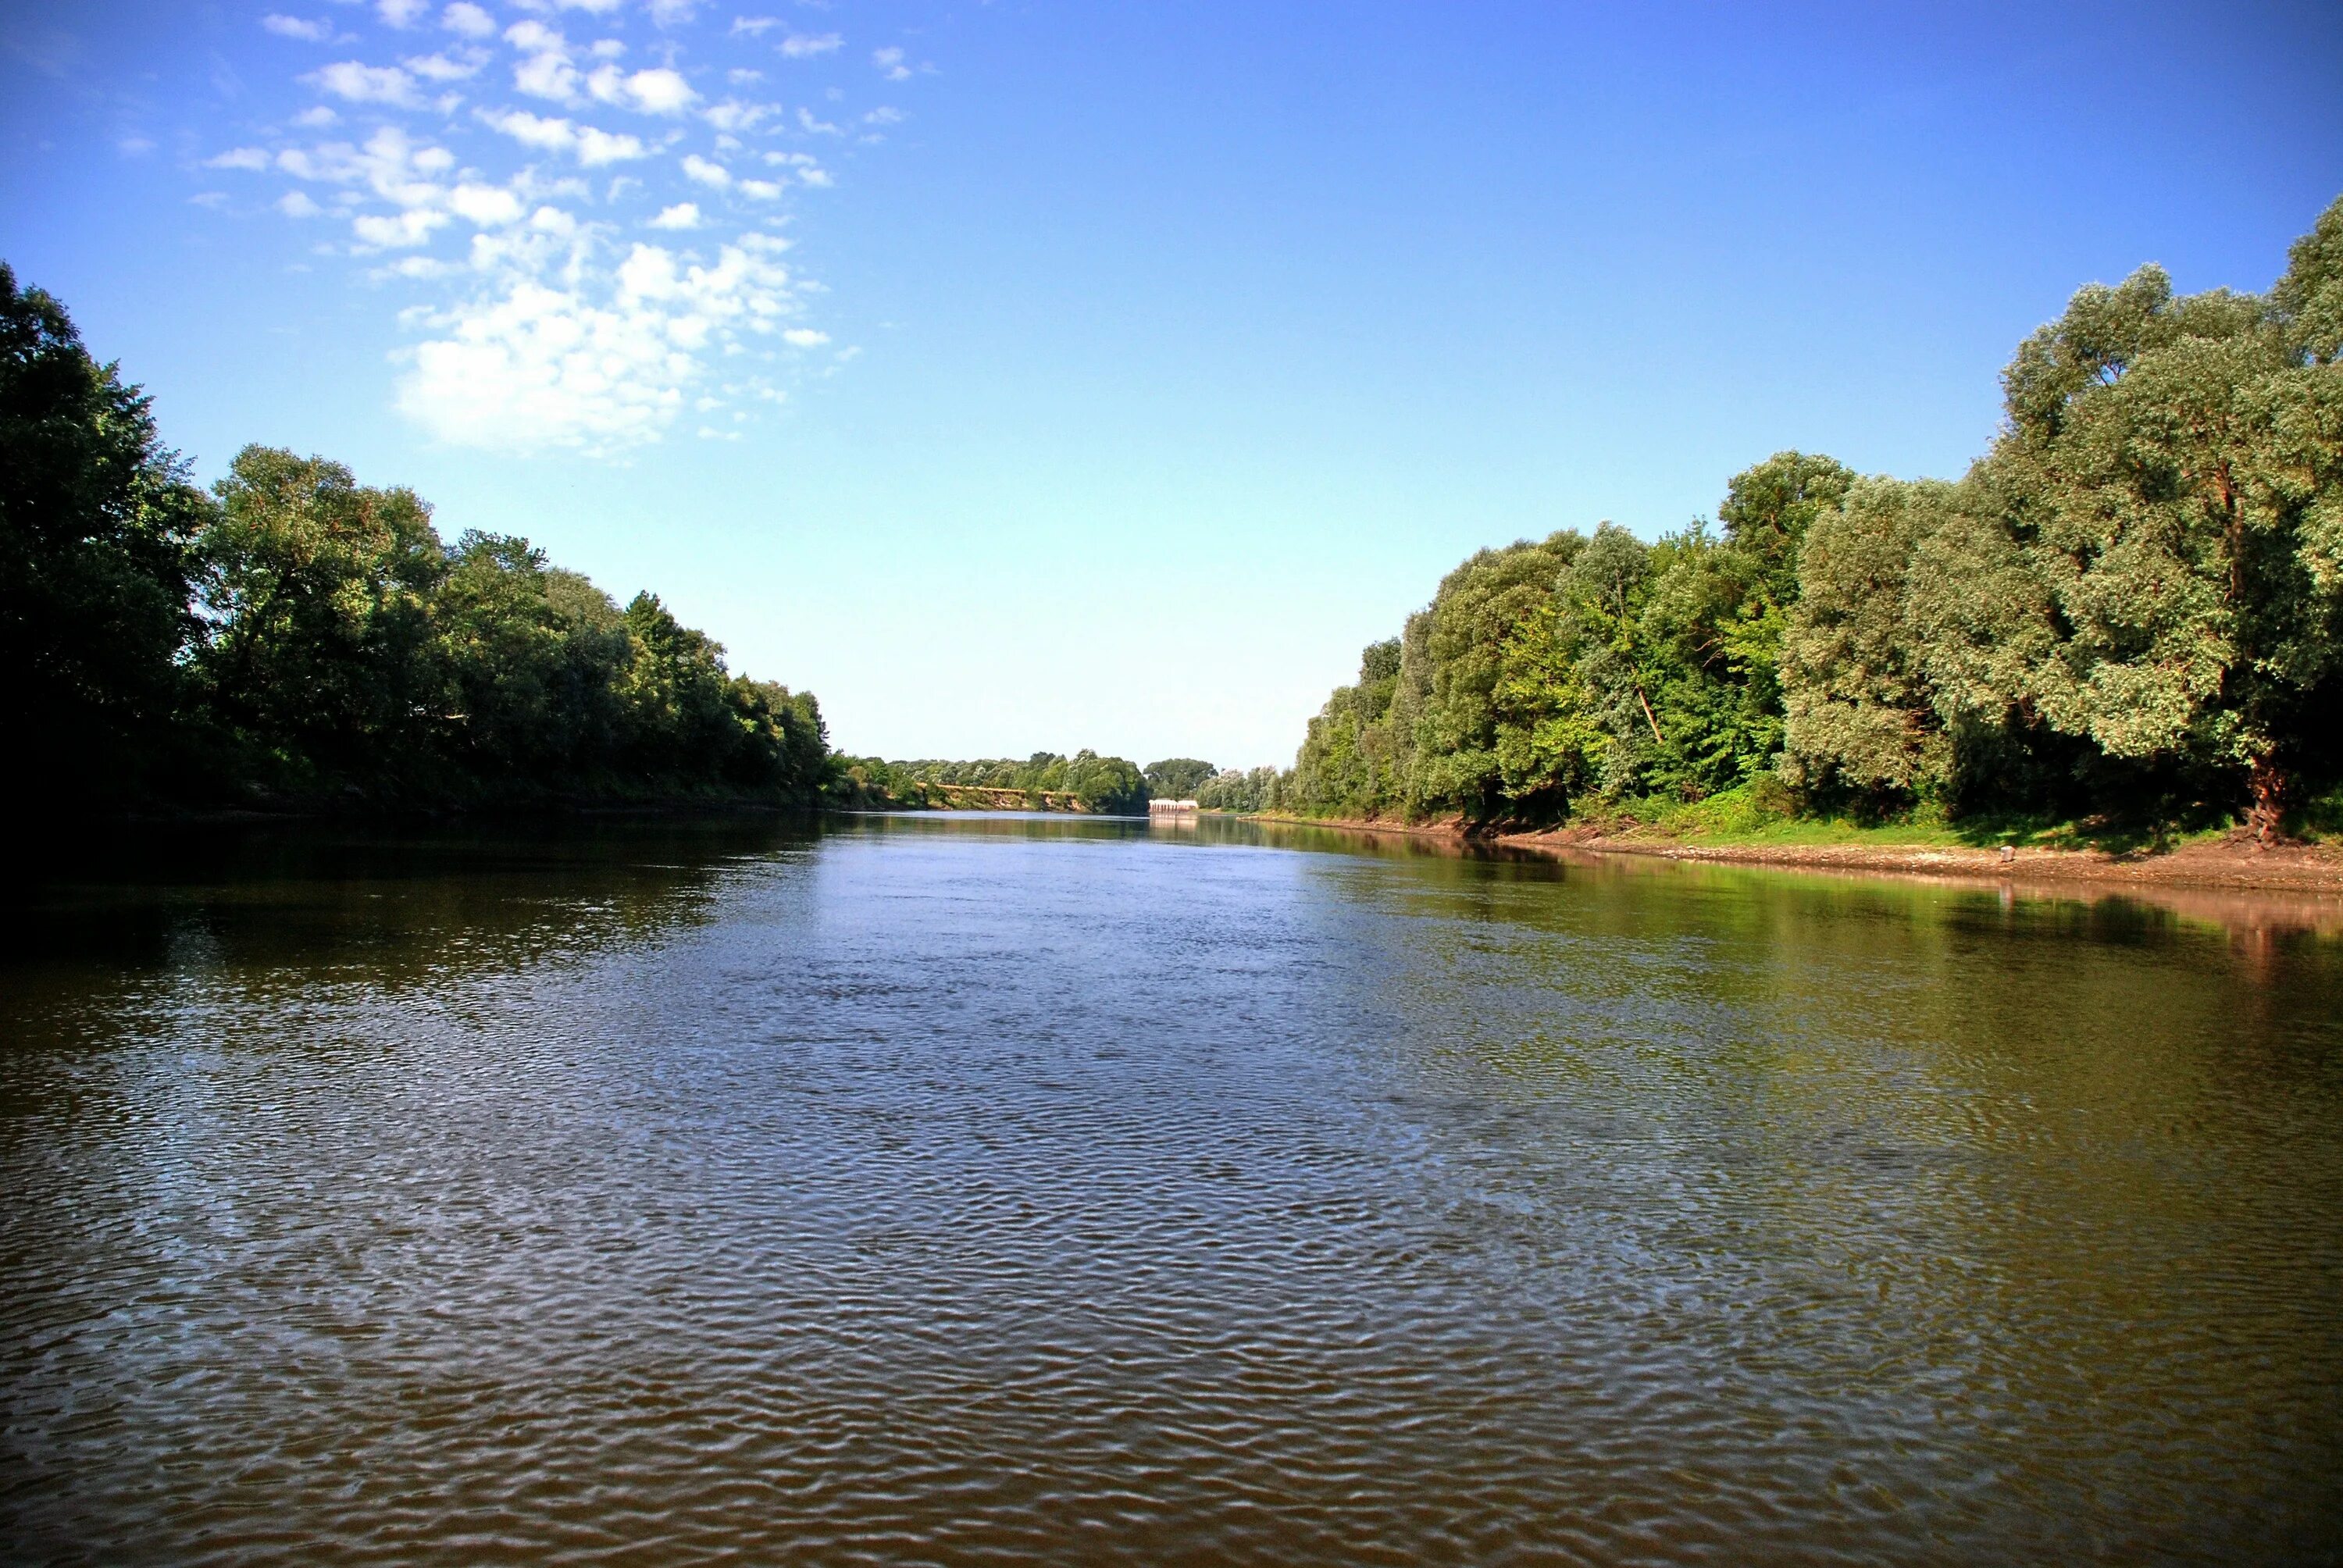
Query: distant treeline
[[1108, 784], [291, 635], [2132, 606]]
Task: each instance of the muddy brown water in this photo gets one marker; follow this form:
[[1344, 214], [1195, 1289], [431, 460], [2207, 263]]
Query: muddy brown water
[[1000, 1189]]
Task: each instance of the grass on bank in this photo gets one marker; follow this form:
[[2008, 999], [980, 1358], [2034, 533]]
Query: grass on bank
[[1764, 814]]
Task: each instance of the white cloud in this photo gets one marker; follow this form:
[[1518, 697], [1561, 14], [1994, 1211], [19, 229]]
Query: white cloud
[[552, 135], [591, 146], [659, 91], [732, 114], [807, 169], [440, 68], [545, 70], [485, 206], [468, 20], [590, 360], [596, 148], [398, 230], [317, 32], [890, 62], [554, 302], [884, 114], [389, 166], [361, 84]]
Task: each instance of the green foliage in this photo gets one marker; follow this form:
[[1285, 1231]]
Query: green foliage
[[2173, 472], [1108, 784], [1768, 509], [317, 592], [2132, 605], [1858, 708], [96, 528], [1259, 790], [1177, 778], [304, 636]]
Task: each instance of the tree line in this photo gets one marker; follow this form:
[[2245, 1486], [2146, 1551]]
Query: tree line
[[2130, 606], [1107, 784], [292, 636]]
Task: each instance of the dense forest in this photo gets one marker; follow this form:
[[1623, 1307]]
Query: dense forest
[[2131, 606], [292, 637]]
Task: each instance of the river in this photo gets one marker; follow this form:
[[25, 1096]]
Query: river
[[996, 1189]]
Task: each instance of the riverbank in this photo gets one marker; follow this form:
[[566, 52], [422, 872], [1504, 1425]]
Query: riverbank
[[2232, 861]]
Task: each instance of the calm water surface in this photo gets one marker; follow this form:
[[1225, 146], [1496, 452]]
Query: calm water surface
[[996, 1189]]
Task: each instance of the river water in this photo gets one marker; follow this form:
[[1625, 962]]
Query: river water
[[1000, 1189]]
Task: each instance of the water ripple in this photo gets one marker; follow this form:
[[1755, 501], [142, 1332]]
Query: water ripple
[[939, 1193]]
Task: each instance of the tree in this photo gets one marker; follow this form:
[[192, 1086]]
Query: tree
[[96, 524], [1459, 662], [2173, 468], [317, 592], [1858, 704], [1768, 509], [1177, 778]]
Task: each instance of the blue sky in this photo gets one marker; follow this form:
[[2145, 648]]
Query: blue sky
[[1023, 376]]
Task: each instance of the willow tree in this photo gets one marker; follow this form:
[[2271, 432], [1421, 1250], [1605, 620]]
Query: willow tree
[[2173, 468]]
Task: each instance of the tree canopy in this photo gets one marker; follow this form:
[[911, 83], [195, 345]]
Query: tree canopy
[[297, 636], [2133, 601]]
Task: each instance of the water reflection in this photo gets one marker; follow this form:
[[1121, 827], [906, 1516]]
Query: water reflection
[[1000, 1187]]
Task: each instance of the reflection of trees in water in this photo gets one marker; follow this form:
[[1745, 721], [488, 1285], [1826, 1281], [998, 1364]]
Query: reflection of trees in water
[[2003, 1149], [2261, 919], [287, 906], [1057, 825]]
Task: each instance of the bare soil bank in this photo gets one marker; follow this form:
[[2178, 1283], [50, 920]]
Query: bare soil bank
[[2232, 862]]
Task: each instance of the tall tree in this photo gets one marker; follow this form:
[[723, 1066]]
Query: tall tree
[[96, 524], [318, 591], [2174, 467], [1177, 778]]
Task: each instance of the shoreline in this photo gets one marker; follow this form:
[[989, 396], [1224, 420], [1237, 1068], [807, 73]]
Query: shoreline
[[2300, 868]]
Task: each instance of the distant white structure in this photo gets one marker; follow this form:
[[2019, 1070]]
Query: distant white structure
[[1172, 808]]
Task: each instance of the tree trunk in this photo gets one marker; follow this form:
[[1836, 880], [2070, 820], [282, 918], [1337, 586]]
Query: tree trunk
[[2265, 782], [1660, 740]]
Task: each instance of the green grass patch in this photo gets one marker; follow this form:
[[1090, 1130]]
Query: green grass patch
[[1764, 813]]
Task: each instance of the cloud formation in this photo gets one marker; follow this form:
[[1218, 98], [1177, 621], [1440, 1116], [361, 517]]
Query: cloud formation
[[308, 30], [578, 206]]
